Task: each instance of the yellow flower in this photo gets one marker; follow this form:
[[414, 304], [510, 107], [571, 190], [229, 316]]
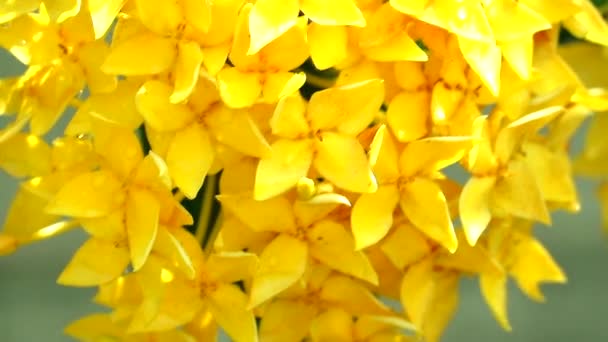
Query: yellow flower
[[123, 201], [524, 258], [407, 175], [264, 76], [192, 131], [503, 183], [304, 232], [321, 133], [170, 299], [269, 19], [319, 290]]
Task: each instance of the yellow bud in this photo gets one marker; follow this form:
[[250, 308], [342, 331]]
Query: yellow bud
[[305, 188]]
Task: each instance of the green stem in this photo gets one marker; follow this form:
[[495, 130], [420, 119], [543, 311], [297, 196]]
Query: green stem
[[206, 213]]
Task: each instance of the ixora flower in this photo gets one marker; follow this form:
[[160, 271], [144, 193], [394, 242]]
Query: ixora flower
[[276, 169]]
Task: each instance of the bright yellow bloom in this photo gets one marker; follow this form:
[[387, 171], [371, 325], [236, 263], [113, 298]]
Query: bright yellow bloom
[[321, 133], [269, 19], [407, 175], [304, 232], [264, 76]]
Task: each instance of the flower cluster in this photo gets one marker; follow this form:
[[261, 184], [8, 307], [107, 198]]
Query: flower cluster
[[276, 168]]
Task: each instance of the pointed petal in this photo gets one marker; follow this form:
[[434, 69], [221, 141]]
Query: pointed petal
[[417, 291], [337, 12], [119, 147], [351, 295], [432, 154], [494, 291], [332, 325], [143, 54], [189, 158], [142, 216], [229, 308], [103, 13], [87, 268], [230, 267], [518, 53], [372, 216], [518, 194], [443, 306], [383, 156], [288, 119], [392, 246], [534, 265], [187, 67], [342, 161], [328, 45], [512, 135], [289, 161], [485, 59], [93, 194], [93, 326], [276, 313], [399, 48], [154, 104], [474, 206], [170, 248], [334, 246], [268, 20], [408, 115], [274, 214], [281, 84], [282, 263], [239, 89], [349, 108], [237, 130], [424, 204]]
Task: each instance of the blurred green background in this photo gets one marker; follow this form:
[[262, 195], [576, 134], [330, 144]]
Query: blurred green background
[[34, 308]]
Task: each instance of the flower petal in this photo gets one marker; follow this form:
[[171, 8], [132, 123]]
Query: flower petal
[[417, 291], [154, 104], [276, 313], [408, 115], [142, 214], [342, 161], [268, 20], [289, 161], [87, 268], [229, 308], [237, 130], [273, 214], [189, 158], [328, 45], [432, 154], [418, 246], [349, 108], [333, 245], [494, 291], [372, 216], [474, 206], [92, 194], [288, 119], [518, 194], [282, 263], [239, 89], [425, 205], [143, 54], [187, 67], [351, 295], [337, 12]]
